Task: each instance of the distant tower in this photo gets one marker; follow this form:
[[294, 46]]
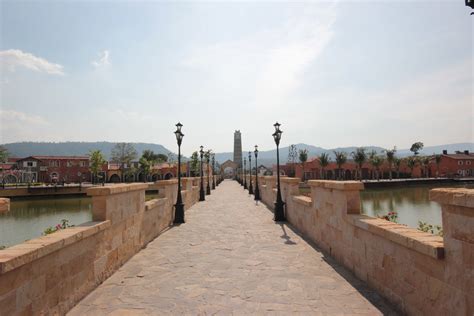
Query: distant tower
[[238, 148]]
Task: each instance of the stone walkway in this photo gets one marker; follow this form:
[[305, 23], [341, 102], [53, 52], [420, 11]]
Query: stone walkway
[[231, 258]]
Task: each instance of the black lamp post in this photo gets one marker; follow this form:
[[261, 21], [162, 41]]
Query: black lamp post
[[245, 171], [279, 204], [208, 186], [250, 174], [213, 171], [202, 195], [470, 3], [179, 206], [257, 191]]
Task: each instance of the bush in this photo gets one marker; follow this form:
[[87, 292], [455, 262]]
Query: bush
[[428, 228], [63, 225]]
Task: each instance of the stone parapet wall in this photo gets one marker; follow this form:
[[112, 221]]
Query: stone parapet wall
[[418, 272], [50, 274], [4, 205]]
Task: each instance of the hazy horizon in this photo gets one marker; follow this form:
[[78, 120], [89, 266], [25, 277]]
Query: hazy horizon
[[335, 74]]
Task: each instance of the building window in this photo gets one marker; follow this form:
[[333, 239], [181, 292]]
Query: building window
[[459, 171], [468, 163], [54, 163], [69, 163], [460, 162], [82, 163], [29, 164]]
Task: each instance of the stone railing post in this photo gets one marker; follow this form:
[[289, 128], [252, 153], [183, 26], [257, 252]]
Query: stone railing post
[[289, 187], [117, 202], [458, 233]]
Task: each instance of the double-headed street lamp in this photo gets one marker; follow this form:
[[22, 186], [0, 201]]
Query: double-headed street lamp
[[245, 171], [279, 204], [250, 174], [208, 159], [213, 171], [202, 195], [257, 191], [179, 206]]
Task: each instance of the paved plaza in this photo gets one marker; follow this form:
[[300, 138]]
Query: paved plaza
[[230, 257]]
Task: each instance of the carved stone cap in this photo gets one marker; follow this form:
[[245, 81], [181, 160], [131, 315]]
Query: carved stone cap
[[337, 185], [453, 196], [116, 189], [162, 183], [290, 180]]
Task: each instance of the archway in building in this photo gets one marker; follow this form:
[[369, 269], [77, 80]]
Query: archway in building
[[129, 178], [348, 175], [329, 175], [155, 177], [228, 169], [10, 179], [168, 176], [114, 178]]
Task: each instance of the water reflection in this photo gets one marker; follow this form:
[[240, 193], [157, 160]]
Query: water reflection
[[28, 218], [411, 203]]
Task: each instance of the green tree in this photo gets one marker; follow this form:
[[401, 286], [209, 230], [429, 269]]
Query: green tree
[[438, 162], [303, 156], [145, 167], [292, 156], [390, 155], [3, 154], [194, 164], [123, 154], [425, 162], [360, 157], [416, 148], [411, 163], [376, 161], [96, 161], [398, 163], [341, 158], [324, 162]]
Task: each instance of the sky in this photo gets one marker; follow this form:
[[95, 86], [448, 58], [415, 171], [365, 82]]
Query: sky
[[341, 73]]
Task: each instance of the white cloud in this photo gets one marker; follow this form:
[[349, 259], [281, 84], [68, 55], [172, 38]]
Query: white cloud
[[103, 59], [12, 58]]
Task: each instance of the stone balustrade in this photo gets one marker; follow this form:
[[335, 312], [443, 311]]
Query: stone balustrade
[[4, 205], [418, 272], [50, 274]]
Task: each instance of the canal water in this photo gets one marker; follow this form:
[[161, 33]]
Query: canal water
[[29, 218], [411, 203]]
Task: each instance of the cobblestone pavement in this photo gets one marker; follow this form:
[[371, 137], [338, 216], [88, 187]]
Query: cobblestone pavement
[[231, 258]]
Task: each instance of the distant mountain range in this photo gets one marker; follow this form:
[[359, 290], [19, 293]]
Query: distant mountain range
[[24, 149], [267, 158]]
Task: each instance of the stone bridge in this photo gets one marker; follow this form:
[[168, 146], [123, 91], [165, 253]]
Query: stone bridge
[[231, 257]]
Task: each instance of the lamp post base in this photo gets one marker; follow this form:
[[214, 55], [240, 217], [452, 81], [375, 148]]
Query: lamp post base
[[202, 195], [179, 213], [279, 212], [257, 194], [208, 190]]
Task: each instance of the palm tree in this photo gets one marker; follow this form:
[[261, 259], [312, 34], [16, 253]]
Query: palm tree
[[411, 163], [425, 161], [303, 156], [397, 162], [438, 162], [359, 156], [390, 154], [341, 158], [324, 162], [376, 161]]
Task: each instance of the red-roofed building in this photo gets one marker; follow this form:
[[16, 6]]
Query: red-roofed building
[[50, 169]]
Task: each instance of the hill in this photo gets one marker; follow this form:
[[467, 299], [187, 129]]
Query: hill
[[25, 149]]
